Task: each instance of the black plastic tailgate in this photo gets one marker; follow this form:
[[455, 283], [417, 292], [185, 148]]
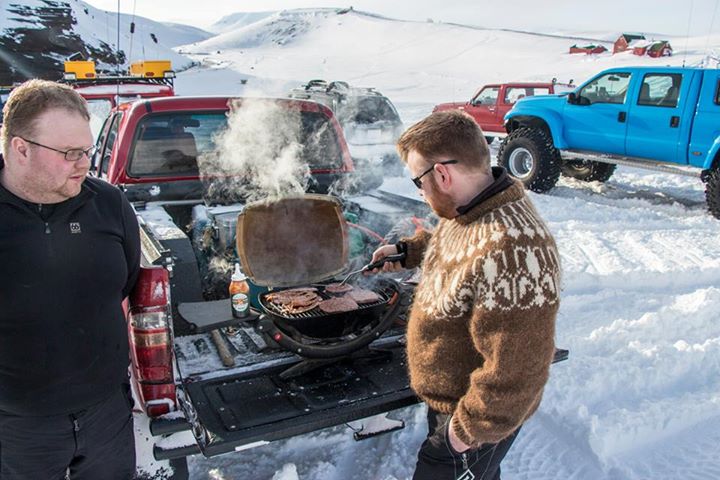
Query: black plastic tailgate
[[260, 406]]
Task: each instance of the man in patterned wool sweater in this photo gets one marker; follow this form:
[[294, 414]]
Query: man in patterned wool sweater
[[481, 328]]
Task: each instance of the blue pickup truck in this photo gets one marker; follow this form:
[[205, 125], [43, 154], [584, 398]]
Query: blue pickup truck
[[662, 118]]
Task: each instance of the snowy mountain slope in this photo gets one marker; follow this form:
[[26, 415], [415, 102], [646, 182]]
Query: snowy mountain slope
[[237, 20], [411, 61], [180, 34], [37, 35]]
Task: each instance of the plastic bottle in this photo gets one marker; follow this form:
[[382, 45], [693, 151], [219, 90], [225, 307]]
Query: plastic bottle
[[239, 289]]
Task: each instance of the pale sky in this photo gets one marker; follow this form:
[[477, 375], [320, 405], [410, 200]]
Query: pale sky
[[671, 17]]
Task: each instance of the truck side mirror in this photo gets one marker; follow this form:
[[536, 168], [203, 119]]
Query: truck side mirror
[[572, 99]]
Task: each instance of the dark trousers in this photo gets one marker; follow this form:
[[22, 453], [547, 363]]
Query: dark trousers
[[437, 460], [97, 443]]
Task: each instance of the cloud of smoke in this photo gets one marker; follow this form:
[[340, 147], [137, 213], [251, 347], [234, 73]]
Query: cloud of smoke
[[259, 155]]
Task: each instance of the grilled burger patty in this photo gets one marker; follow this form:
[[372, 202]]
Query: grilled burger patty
[[363, 295], [339, 304], [338, 288]]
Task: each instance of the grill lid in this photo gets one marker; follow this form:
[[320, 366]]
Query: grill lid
[[293, 241]]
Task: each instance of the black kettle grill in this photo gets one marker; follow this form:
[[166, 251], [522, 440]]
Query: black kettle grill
[[302, 241]]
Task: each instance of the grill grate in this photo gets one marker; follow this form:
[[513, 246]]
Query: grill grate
[[385, 291]]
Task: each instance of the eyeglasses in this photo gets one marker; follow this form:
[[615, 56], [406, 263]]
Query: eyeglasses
[[418, 182], [72, 155]]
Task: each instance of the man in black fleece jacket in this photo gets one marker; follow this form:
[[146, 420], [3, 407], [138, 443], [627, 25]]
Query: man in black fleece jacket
[[70, 253]]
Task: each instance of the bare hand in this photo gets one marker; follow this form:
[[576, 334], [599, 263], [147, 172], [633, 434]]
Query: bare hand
[[457, 444], [381, 253]]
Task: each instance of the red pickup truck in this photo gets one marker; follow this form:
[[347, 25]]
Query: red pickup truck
[[490, 104], [232, 384], [205, 381]]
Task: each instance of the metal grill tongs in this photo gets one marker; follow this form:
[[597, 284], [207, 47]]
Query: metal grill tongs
[[371, 266]]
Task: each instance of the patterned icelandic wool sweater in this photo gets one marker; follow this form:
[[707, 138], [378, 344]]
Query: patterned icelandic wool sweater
[[481, 329]]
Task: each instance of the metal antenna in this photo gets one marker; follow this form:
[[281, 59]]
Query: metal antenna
[[132, 30], [117, 54]]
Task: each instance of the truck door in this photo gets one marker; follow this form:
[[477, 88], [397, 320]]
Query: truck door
[[706, 124], [597, 118], [656, 119], [483, 108], [104, 146]]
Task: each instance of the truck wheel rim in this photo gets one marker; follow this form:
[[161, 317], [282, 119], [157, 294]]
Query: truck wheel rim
[[520, 163]]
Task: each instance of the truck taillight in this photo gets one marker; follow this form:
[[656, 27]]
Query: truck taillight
[[151, 289], [150, 318], [149, 322], [150, 337]]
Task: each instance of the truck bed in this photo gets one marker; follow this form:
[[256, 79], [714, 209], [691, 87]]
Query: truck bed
[[270, 393]]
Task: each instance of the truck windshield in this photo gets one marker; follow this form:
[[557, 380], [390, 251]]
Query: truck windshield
[[367, 110], [170, 144]]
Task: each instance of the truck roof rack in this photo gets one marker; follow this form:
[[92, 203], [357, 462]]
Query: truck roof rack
[[156, 72], [122, 80], [335, 87]]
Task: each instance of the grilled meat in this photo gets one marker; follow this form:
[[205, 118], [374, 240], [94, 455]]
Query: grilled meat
[[284, 296], [339, 304], [296, 300], [338, 288], [363, 295]]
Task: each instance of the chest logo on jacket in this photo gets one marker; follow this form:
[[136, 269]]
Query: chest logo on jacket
[[467, 475], [75, 227]]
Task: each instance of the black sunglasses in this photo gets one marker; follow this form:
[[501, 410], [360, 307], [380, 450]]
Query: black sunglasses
[[418, 182], [72, 155]]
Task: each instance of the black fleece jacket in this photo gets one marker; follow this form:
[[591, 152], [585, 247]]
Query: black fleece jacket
[[64, 272]]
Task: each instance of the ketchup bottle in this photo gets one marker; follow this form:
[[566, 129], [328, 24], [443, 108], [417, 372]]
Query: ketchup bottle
[[239, 289]]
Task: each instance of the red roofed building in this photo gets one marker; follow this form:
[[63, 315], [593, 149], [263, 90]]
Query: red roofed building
[[655, 49], [625, 40], [588, 49]]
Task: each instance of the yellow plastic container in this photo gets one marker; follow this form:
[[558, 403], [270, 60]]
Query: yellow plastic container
[[151, 68], [81, 69]]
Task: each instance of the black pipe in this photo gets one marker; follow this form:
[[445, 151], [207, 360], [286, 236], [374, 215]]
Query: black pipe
[[172, 453], [166, 426]]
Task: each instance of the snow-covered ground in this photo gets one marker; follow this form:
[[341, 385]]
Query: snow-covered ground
[[639, 397]]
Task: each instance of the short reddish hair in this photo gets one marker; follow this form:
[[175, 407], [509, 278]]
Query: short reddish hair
[[30, 100], [453, 133]]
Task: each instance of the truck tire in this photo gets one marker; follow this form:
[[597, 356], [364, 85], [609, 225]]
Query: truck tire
[[712, 192], [529, 155], [587, 170]]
